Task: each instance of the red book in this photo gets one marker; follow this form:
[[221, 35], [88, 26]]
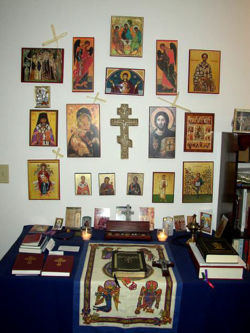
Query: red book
[[28, 264], [31, 239], [58, 265]]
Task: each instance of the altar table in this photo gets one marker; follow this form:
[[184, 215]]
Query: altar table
[[35, 304]]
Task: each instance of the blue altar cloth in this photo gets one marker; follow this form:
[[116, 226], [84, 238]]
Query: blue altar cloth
[[45, 304]]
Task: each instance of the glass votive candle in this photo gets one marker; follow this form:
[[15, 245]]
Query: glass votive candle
[[86, 234], [162, 235]]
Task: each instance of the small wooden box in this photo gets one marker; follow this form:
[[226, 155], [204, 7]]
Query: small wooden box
[[134, 230]]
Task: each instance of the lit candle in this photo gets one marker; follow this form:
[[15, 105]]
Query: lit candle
[[162, 236], [86, 235]]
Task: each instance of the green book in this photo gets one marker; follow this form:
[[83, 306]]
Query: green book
[[216, 250], [128, 264]]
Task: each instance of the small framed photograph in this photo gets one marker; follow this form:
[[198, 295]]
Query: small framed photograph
[[241, 122], [42, 97], [197, 182], [83, 184], [44, 179], [147, 214], [106, 183], [179, 223], [135, 183], [102, 215], [125, 81], [42, 65], [58, 225], [166, 67], [43, 128], [206, 222], [162, 132], [221, 226], [83, 130], [126, 36], [204, 71], [163, 187], [86, 222], [73, 218], [83, 64], [199, 132]]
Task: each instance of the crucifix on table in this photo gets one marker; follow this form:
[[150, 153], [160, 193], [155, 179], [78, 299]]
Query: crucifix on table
[[124, 122], [127, 212]]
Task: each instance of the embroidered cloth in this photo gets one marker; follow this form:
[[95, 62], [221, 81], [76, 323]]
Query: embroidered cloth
[[144, 302]]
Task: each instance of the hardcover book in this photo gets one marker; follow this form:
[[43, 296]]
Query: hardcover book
[[216, 270], [39, 228], [26, 248], [28, 264], [128, 264], [58, 265], [31, 239], [216, 250]]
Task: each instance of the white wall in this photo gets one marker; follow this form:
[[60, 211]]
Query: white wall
[[196, 24]]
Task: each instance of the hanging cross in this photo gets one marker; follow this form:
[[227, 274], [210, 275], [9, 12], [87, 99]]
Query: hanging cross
[[57, 152], [55, 37], [124, 122], [59, 261], [174, 103], [127, 212], [96, 98], [29, 260]]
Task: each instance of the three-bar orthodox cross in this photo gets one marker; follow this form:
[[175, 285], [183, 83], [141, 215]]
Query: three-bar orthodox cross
[[124, 122]]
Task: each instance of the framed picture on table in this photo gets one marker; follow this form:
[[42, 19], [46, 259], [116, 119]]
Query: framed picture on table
[[42, 65], [83, 64], [43, 128], [199, 132], [73, 218], [126, 36]]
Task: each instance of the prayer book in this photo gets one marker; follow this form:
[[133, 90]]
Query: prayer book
[[56, 265], [128, 264], [31, 239], [216, 270], [28, 264], [216, 250]]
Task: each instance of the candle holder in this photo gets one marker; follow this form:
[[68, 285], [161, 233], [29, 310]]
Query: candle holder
[[162, 235], [86, 234], [193, 227]]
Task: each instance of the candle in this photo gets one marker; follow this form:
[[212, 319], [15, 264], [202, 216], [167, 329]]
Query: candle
[[86, 235], [162, 236]]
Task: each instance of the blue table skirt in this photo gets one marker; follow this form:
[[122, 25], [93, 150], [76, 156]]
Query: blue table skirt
[[45, 304]]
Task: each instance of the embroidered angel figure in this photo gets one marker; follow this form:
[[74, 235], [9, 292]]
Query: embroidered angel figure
[[105, 294]]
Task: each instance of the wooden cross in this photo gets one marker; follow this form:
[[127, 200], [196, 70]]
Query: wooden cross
[[124, 111], [29, 260], [59, 261], [128, 212], [96, 98], [57, 152], [55, 37], [174, 103]]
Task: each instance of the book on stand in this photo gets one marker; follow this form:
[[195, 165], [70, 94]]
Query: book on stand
[[128, 264], [28, 264], [216, 270], [216, 250], [56, 265]]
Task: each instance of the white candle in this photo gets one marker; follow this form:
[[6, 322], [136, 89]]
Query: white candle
[[162, 236], [86, 235]]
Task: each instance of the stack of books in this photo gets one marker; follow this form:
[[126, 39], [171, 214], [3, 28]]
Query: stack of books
[[34, 243], [216, 259]]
